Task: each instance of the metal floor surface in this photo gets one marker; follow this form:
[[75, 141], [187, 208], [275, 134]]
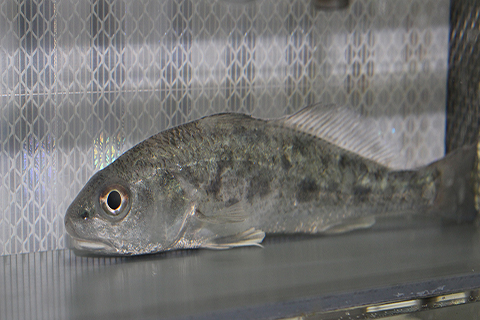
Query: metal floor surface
[[290, 276]]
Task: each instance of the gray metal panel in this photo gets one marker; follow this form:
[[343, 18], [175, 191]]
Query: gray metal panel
[[294, 276]]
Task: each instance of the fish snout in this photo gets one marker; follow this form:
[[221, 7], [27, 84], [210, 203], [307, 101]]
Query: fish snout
[[69, 226]]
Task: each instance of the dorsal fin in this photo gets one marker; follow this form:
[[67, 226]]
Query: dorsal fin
[[347, 129]]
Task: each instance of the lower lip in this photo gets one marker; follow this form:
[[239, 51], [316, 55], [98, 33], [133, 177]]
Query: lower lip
[[91, 245]]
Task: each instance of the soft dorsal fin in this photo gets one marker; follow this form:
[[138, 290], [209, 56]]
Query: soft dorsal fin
[[347, 129]]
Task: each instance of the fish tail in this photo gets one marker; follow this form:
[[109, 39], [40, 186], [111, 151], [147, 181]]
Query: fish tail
[[457, 196]]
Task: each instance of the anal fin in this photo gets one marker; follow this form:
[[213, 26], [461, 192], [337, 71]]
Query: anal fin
[[249, 237], [351, 224]]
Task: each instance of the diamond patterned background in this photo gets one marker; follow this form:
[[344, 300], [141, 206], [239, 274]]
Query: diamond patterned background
[[82, 81]]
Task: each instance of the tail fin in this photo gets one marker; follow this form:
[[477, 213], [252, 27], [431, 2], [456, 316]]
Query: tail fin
[[458, 188]]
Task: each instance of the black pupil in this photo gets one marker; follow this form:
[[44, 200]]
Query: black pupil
[[114, 200]]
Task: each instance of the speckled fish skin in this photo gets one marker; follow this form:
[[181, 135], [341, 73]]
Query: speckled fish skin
[[182, 182]]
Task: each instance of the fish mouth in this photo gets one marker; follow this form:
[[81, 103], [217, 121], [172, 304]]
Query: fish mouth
[[74, 241], [91, 246]]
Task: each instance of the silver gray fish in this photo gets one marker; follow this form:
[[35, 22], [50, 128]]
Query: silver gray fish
[[227, 180]]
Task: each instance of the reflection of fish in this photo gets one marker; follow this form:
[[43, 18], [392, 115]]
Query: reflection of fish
[[227, 179]]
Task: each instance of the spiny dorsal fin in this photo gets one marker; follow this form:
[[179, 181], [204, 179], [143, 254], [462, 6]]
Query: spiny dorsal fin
[[347, 129]]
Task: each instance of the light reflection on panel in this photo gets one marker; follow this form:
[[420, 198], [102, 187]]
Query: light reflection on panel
[[106, 149]]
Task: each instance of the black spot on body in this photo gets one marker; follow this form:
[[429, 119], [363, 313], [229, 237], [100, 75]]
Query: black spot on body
[[259, 186], [307, 190], [231, 202], [188, 174], [239, 130], [250, 135], [362, 167], [172, 139], [214, 186], [361, 193], [226, 161], [286, 165], [300, 146], [333, 186], [343, 162]]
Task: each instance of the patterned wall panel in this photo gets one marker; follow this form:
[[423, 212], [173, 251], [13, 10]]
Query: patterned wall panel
[[82, 81]]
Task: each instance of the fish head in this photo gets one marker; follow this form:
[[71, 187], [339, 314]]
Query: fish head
[[124, 215]]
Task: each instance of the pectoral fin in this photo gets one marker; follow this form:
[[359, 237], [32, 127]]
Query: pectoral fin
[[250, 237], [351, 224], [222, 229]]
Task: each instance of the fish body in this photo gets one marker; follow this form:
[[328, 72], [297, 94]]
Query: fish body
[[227, 180]]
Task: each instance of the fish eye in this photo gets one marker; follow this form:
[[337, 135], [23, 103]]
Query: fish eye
[[115, 201]]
